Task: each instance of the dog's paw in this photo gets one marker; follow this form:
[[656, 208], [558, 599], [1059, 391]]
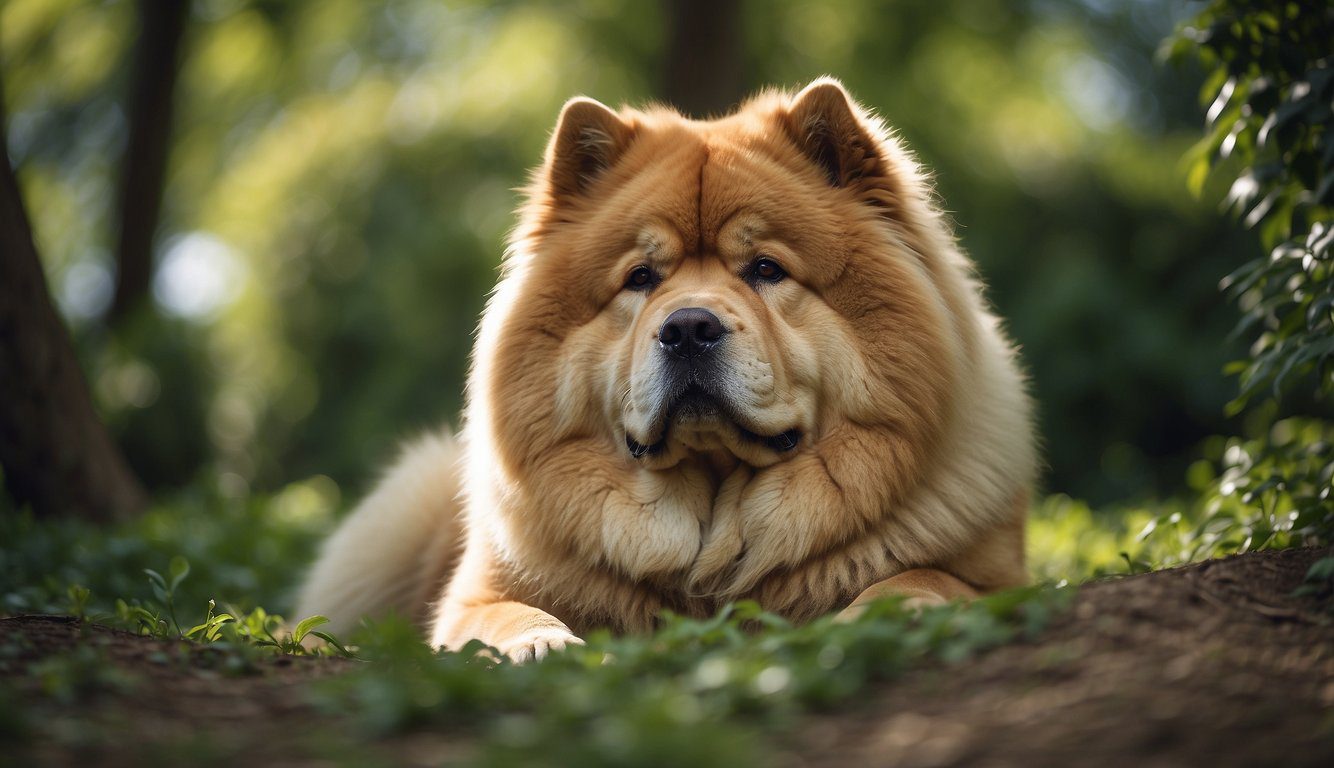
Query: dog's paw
[[911, 604], [534, 645]]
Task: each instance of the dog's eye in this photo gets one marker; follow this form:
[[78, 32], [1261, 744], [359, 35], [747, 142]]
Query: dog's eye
[[765, 270], [641, 278]]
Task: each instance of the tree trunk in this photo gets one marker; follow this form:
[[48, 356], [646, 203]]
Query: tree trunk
[[143, 173], [56, 453], [702, 73]]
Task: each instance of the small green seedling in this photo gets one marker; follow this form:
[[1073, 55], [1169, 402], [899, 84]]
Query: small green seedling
[[165, 587], [211, 629], [78, 601]]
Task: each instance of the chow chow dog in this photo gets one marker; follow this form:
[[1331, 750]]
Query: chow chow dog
[[726, 359]]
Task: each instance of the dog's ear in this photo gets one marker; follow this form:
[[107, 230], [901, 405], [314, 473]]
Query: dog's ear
[[845, 144], [588, 140]]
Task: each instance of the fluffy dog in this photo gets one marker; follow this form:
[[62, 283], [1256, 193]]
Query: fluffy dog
[[727, 359]]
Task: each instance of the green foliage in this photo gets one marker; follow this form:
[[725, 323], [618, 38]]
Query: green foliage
[[78, 600], [210, 630], [1269, 493], [164, 588], [1269, 126], [1248, 495], [243, 633], [1278, 488], [1319, 581], [241, 553], [693, 693]]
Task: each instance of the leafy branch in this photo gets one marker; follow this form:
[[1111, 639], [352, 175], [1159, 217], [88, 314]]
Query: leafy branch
[[1268, 126]]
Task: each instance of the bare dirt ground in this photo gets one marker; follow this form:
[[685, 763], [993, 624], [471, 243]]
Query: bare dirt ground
[[1214, 664]]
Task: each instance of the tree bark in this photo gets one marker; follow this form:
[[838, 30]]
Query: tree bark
[[143, 172], [56, 453], [702, 75]]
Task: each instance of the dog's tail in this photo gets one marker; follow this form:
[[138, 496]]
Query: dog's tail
[[395, 551]]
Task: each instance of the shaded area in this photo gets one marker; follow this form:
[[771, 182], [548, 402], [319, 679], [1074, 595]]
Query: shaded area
[[57, 455], [702, 70], [115, 698], [144, 170], [1215, 663]]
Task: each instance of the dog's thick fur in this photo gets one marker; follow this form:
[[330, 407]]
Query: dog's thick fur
[[859, 427]]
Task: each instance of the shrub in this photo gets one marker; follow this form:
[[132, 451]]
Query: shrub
[[1269, 93]]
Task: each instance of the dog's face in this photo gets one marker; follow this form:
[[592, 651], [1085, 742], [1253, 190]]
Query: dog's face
[[733, 289], [712, 356]]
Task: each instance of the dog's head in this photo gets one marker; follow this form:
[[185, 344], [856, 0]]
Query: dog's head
[[736, 288]]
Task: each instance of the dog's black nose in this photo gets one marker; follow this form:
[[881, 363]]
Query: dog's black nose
[[690, 331]]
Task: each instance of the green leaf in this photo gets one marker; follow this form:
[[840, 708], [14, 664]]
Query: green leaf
[[1221, 101], [208, 630], [1321, 570], [306, 625], [179, 568], [333, 642], [1197, 176], [158, 584], [1262, 208]]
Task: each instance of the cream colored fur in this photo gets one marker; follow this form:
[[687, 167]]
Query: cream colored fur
[[395, 549]]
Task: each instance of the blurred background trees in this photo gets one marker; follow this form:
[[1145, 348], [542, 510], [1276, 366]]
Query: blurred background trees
[[339, 179]]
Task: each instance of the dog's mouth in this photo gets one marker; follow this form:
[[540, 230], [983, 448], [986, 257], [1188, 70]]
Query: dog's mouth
[[695, 405]]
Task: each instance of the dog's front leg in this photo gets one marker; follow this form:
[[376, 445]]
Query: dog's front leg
[[519, 631], [479, 603], [920, 586]]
